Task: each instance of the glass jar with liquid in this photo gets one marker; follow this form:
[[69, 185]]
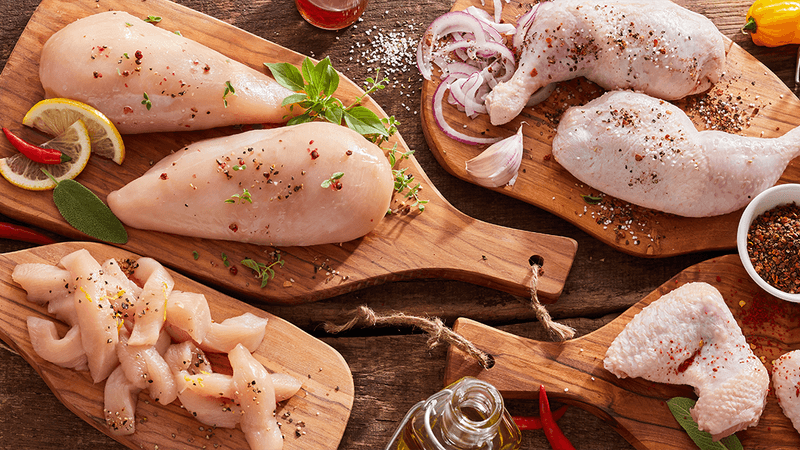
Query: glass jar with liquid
[[331, 14], [467, 415]]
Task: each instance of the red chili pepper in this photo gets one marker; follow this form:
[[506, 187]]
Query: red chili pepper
[[34, 152], [554, 435], [534, 422], [24, 234]]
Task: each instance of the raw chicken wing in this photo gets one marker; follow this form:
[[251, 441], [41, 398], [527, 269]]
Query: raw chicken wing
[[689, 336], [648, 152], [264, 187], [656, 47], [148, 79]]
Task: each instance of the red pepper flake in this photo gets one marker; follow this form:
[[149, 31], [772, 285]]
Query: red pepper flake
[[719, 278], [548, 157], [314, 154], [534, 72], [97, 75], [233, 227], [164, 176], [138, 54], [233, 270], [206, 68]]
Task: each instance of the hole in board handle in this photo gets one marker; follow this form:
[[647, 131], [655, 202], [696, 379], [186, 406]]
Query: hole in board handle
[[536, 259]]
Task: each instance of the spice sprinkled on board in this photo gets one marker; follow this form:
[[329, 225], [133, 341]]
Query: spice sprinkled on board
[[773, 244]]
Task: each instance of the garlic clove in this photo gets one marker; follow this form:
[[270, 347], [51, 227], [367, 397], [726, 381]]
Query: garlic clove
[[498, 165]]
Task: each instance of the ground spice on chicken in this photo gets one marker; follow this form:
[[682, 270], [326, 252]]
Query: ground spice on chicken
[[773, 244]]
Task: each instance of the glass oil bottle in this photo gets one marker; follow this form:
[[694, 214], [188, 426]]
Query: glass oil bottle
[[467, 415]]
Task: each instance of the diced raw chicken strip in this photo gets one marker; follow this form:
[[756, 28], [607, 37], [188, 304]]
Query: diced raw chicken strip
[[152, 303], [208, 384], [247, 329], [185, 356], [689, 336], [42, 282], [122, 292], [189, 313], [145, 368], [256, 395], [274, 198], [286, 386], [99, 333], [132, 361], [148, 79], [63, 309], [786, 382], [212, 411], [119, 399], [65, 352]]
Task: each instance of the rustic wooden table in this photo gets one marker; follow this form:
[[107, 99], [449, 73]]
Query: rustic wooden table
[[393, 368]]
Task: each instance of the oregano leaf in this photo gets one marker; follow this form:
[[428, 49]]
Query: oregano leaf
[[680, 406]]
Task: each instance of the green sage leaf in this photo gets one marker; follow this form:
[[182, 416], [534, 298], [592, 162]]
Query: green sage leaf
[[87, 213], [591, 199], [287, 76], [680, 406]]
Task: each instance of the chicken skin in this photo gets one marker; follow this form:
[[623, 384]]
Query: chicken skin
[[147, 79], [648, 152], [655, 47]]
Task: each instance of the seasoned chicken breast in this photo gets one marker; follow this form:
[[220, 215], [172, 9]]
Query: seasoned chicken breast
[[265, 187], [148, 79], [689, 336], [647, 151], [655, 46]]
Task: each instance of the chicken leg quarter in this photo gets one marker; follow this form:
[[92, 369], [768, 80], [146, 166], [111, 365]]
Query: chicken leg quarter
[[655, 47]]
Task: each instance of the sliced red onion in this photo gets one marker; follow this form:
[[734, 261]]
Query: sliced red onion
[[488, 20], [452, 22], [524, 24], [438, 115], [499, 164]]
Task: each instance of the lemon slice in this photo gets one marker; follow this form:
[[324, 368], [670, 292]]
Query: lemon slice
[[54, 115], [27, 174]]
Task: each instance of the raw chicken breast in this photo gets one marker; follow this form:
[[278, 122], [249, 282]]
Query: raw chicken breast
[[185, 356], [121, 290], [111, 60], [247, 329], [264, 187], [648, 152], [256, 395], [119, 401], [208, 384], [786, 381], [96, 318], [151, 306], [653, 46], [65, 352], [689, 336], [212, 411]]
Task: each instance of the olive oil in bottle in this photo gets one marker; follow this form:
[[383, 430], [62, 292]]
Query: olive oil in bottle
[[467, 415]]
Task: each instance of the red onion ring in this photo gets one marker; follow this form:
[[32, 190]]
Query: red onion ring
[[438, 115]]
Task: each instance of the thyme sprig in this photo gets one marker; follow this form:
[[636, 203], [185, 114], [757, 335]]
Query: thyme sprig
[[263, 271], [241, 198], [404, 182]]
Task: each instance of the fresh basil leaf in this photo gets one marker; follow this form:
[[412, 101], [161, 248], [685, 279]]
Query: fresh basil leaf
[[287, 76], [364, 121], [331, 81], [680, 406], [334, 114], [308, 72], [293, 98], [302, 118]]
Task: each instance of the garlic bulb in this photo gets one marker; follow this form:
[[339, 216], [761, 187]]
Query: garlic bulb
[[499, 164]]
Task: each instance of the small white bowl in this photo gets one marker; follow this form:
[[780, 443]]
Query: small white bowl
[[772, 197]]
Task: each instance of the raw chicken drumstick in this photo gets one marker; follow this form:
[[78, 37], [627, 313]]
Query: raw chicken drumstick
[[647, 151], [656, 47], [689, 336], [148, 79]]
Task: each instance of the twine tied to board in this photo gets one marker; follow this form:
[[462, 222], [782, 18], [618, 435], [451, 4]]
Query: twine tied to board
[[557, 331], [439, 332], [433, 326]]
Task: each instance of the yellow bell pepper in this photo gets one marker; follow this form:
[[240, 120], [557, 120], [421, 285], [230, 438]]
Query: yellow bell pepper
[[773, 22]]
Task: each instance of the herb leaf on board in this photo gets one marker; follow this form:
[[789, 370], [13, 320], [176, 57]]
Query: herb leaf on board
[[680, 406], [86, 212]]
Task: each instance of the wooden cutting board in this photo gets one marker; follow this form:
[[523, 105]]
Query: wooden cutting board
[[573, 371], [439, 243], [765, 105], [323, 403]]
